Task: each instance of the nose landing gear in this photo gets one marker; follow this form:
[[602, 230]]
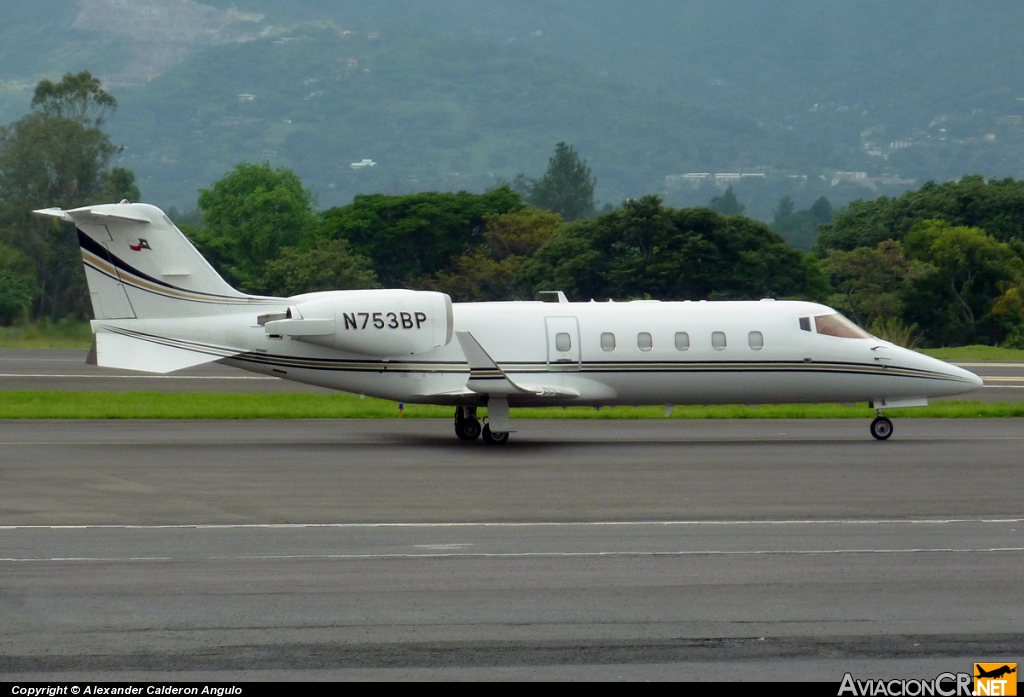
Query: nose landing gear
[[881, 427]]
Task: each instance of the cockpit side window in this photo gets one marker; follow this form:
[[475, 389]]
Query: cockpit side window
[[837, 325], [805, 324]]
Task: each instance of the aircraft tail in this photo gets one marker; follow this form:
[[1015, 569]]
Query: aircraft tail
[[139, 265]]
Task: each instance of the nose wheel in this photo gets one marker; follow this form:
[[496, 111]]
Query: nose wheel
[[467, 426], [881, 428]]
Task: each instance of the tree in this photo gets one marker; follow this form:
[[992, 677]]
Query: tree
[[411, 238], [567, 187], [18, 285], [121, 186], [953, 303], [800, 228], [786, 208], [645, 249], [250, 215], [492, 273], [55, 156], [1011, 305], [995, 206], [78, 97], [326, 265], [821, 211], [871, 280], [727, 203]]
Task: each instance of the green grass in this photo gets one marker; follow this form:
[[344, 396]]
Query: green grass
[[975, 353], [67, 333], [154, 405]]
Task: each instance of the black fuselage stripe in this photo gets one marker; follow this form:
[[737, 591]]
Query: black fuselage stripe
[[387, 368], [90, 245]]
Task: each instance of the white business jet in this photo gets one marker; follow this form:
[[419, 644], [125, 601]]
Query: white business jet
[[161, 307]]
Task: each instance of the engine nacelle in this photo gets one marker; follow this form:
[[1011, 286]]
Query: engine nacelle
[[369, 322]]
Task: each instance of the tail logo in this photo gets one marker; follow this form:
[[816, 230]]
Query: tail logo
[[142, 244]]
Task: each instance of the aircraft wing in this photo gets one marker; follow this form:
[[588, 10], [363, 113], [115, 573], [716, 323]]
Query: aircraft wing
[[486, 377]]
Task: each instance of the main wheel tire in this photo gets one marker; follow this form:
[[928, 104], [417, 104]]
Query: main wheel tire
[[467, 429], [494, 438], [881, 428]]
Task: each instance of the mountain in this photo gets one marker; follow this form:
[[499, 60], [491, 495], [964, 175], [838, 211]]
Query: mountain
[[804, 95]]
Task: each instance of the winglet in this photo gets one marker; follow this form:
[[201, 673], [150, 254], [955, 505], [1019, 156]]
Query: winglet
[[485, 377], [476, 356]]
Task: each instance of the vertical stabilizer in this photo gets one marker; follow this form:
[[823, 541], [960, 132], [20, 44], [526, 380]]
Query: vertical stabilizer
[[139, 265]]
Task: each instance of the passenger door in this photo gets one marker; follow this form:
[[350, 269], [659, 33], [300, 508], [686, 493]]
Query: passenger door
[[563, 334]]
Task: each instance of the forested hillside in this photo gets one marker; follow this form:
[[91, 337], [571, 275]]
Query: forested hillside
[[317, 145], [438, 114], [450, 94]]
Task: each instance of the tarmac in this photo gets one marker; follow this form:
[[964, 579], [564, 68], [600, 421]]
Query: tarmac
[[581, 550]]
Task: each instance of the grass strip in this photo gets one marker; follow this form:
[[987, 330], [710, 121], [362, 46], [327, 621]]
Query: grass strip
[[968, 354], [203, 405], [67, 333]]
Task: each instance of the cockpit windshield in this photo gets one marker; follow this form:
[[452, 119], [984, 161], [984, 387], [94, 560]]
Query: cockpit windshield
[[837, 325]]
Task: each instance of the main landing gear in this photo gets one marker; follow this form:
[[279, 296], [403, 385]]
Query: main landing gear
[[467, 427], [881, 427], [494, 438]]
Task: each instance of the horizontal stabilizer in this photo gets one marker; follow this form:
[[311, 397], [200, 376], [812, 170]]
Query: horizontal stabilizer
[[151, 354], [88, 214]]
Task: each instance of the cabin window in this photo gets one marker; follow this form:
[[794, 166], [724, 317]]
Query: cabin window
[[608, 341], [805, 323], [718, 341], [756, 340], [563, 342], [682, 341], [837, 325], [644, 341]]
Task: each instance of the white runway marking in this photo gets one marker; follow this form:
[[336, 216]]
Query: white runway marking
[[270, 542], [522, 555], [988, 365], [553, 524]]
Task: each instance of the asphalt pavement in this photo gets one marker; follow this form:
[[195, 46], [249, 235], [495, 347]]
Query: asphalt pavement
[[388, 549]]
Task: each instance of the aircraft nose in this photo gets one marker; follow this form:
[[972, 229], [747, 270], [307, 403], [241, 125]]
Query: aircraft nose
[[957, 380], [975, 379], [971, 380]]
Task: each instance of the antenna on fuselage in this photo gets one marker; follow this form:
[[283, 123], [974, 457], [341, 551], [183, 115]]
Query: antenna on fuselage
[[559, 295]]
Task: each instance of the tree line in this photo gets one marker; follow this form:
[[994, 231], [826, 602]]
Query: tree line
[[57, 155], [941, 266]]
